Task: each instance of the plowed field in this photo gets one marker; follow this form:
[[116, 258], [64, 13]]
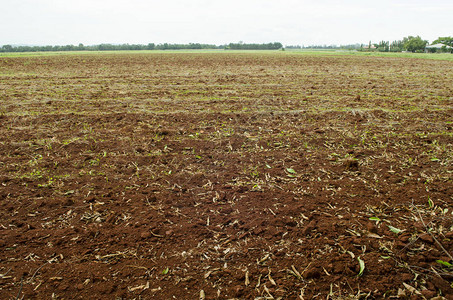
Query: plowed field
[[225, 175]]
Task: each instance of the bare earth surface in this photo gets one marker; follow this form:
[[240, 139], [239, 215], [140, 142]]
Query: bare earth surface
[[225, 175]]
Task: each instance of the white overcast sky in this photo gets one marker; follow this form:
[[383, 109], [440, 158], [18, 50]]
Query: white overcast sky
[[291, 22]]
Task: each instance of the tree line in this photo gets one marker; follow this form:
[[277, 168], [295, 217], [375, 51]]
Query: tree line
[[150, 46], [108, 47], [410, 44], [414, 44], [242, 46]]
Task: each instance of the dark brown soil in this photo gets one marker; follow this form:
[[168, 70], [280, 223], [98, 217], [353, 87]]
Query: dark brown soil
[[225, 175]]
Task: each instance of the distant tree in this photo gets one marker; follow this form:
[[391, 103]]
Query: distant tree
[[242, 46], [444, 40], [68, 48], [414, 44], [46, 48], [396, 46], [351, 47], [293, 47], [7, 48], [383, 46], [135, 47]]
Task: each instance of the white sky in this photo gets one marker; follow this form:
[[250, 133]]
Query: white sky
[[291, 22]]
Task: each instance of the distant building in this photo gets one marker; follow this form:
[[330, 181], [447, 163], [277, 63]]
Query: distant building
[[438, 48]]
